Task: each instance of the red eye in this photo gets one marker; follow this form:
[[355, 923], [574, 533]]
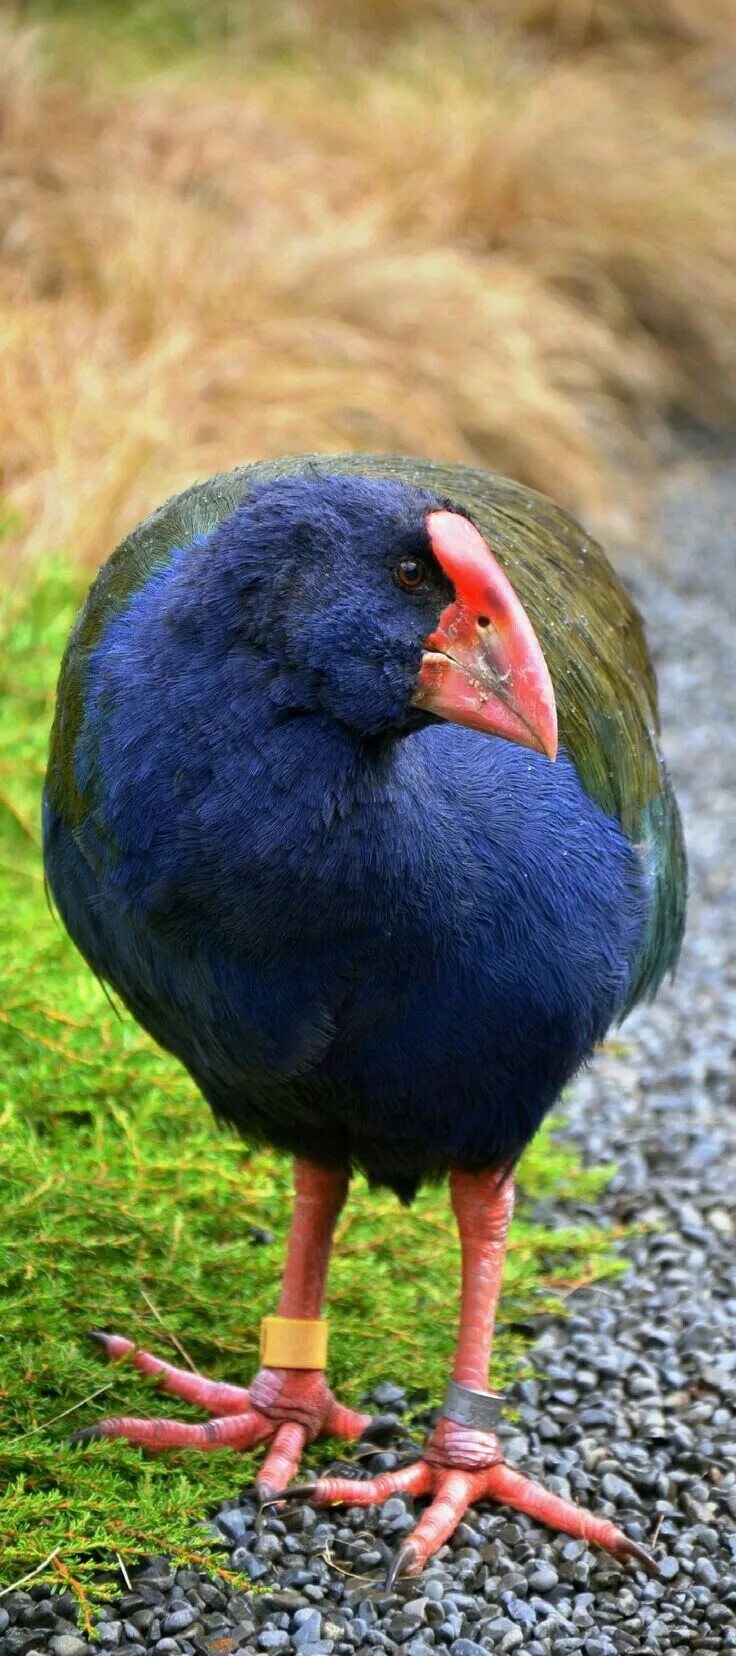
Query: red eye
[[410, 573]]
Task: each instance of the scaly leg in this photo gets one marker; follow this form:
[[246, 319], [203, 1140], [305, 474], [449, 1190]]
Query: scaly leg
[[462, 1463], [290, 1406]]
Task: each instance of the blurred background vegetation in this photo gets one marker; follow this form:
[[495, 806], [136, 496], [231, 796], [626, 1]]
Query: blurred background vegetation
[[502, 231]]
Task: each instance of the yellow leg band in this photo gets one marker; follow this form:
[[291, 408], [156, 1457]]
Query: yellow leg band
[[294, 1342]]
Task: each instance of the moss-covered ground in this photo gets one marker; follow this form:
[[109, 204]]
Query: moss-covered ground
[[122, 1205]]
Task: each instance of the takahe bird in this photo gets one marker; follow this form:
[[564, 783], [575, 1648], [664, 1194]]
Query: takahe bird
[[306, 813]]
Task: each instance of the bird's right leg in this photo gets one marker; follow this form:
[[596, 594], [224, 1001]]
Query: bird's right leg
[[287, 1401], [463, 1460]]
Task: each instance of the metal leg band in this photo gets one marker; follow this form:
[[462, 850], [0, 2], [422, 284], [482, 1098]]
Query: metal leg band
[[483, 1410]]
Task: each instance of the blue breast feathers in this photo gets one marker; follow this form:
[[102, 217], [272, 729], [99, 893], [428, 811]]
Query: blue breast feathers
[[394, 953]]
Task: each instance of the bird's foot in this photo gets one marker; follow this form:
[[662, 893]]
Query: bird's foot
[[290, 1406], [461, 1466]]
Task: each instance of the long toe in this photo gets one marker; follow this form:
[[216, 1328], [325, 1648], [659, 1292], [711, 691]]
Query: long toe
[[230, 1432], [214, 1396], [503, 1483], [409, 1480], [292, 1406], [282, 1461], [454, 1490], [453, 1493]]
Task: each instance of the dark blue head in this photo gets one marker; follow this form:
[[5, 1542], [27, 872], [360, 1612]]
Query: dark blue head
[[322, 562], [374, 603]]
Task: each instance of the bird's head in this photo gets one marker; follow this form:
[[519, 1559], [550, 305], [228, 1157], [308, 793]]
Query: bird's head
[[388, 608]]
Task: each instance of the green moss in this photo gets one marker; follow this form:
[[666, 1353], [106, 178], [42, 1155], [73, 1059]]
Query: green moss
[[123, 1205]]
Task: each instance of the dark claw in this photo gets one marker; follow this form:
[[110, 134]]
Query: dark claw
[[631, 1549], [85, 1435], [295, 1492], [266, 1496], [99, 1335], [402, 1563]]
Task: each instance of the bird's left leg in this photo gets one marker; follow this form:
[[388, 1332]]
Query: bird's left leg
[[288, 1401], [463, 1461]]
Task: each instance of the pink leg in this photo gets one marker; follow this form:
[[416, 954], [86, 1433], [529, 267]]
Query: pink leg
[[463, 1464], [291, 1406]]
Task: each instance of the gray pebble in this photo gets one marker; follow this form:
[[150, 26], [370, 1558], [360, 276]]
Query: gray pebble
[[543, 1578], [669, 1567], [309, 1630], [179, 1619], [387, 1395]]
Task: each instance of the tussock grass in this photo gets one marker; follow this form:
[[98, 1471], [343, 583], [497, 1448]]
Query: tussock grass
[[123, 1205], [240, 230]]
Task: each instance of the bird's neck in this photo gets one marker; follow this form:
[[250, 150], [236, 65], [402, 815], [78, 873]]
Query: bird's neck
[[327, 765]]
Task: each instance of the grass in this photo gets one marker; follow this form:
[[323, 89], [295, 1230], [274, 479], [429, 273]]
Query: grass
[[498, 233], [122, 1205]]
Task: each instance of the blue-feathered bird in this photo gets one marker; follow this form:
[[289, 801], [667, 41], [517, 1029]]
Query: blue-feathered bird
[[307, 814]]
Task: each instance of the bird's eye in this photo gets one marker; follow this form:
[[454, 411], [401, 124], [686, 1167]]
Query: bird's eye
[[410, 573]]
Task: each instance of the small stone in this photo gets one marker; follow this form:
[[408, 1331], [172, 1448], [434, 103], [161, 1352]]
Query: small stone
[[68, 1644], [243, 1560], [309, 1630], [386, 1395], [519, 1610], [369, 1560], [706, 1572], [416, 1608], [273, 1638], [543, 1578], [233, 1523], [267, 1546], [669, 1567], [173, 1623], [401, 1627]]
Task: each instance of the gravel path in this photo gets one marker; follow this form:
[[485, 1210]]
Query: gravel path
[[634, 1409]]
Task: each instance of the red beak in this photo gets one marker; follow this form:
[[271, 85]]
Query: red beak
[[483, 665]]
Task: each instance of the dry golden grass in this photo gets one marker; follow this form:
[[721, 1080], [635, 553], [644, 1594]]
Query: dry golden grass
[[473, 254], [582, 23]]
